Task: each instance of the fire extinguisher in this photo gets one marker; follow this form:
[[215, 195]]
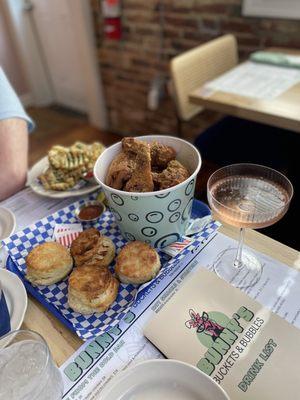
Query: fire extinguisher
[[111, 10]]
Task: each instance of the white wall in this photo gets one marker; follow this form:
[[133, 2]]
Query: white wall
[[29, 52], [9, 57], [70, 20]]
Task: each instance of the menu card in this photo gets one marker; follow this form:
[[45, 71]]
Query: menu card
[[249, 79], [251, 352]]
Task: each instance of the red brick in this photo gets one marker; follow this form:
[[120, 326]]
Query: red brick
[[128, 66], [214, 8], [181, 21], [138, 4], [232, 26]]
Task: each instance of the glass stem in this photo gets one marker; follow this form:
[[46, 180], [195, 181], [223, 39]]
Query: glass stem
[[238, 258]]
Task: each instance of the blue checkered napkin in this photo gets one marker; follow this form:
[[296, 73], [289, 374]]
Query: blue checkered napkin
[[86, 326]]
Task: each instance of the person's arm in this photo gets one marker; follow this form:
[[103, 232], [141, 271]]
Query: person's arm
[[14, 127], [13, 155]]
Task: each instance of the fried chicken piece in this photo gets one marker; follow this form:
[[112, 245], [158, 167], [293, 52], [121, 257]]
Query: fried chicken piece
[[161, 155], [120, 171], [141, 178], [174, 173]]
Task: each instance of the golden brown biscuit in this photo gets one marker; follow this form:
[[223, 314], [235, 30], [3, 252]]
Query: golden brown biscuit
[[92, 248], [84, 241], [137, 263], [91, 289], [48, 263]]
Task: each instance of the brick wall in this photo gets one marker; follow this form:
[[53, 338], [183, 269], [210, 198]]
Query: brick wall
[[128, 66]]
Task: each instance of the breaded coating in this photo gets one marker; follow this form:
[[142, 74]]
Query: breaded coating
[[131, 169], [161, 155], [141, 178], [120, 171], [143, 167], [174, 174]]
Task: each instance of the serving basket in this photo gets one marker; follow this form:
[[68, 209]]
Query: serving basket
[[54, 297]]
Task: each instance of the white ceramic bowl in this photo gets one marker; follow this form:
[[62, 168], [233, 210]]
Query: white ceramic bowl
[[158, 218], [7, 223], [162, 380]]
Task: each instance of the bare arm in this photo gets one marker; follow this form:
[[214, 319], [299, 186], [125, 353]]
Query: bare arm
[[13, 156]]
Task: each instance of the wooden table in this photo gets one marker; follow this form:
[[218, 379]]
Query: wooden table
[[63, 343], [282, 112]]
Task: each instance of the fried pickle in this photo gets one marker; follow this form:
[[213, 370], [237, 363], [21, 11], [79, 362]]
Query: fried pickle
[[69, 164]]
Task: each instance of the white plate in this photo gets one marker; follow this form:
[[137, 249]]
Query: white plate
[[38, 188], [16, 297], [7, 223], [160, 380]]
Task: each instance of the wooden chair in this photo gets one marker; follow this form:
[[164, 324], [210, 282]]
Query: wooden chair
[[192, 69], [196, 66]]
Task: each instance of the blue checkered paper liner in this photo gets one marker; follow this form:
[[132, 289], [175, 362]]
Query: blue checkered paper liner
[[86, 326], [198, 240]]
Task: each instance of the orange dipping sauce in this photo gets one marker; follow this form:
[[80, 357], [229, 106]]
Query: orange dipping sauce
[[90, 212]]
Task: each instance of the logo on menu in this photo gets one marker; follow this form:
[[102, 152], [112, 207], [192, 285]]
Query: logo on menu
[[208, 326], [220, 334]]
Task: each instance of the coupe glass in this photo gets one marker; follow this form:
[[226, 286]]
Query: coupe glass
[[27, 371], [246, 196]]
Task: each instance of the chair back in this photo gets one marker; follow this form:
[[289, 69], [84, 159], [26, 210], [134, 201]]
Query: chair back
[[196, 66]]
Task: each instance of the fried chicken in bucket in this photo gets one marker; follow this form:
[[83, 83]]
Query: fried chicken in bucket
[[161, 155], [143, 167], [141, 178], [120, 171], [174, 173]]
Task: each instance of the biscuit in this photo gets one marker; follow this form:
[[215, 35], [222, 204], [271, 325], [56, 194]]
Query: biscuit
[[137, 263], [92, 248], [48, 263], [91, 289]]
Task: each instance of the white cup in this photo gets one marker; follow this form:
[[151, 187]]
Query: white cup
[[158, 218]]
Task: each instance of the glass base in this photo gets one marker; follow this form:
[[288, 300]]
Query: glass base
[[245, 275]]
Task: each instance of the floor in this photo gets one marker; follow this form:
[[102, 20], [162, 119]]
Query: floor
[[56, 125]]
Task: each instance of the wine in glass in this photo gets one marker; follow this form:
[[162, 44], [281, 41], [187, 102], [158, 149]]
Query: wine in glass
[[246, 196]]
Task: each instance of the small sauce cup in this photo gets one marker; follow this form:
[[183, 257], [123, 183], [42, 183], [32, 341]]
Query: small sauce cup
[[90, 211]]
